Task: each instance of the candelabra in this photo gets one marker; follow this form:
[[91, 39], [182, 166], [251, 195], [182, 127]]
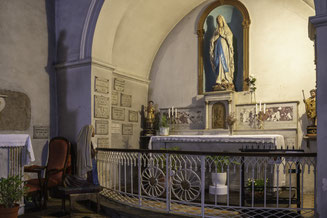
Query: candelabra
[[172, 117], [260, 115]]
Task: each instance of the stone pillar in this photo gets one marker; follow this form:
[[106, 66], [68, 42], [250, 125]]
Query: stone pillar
[[318, 32], [74, 29]]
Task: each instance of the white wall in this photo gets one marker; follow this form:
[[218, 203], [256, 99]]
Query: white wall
[[281, 57], [23, 58]]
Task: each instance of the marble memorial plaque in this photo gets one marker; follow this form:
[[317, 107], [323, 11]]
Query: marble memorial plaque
[[101, 127], [125, 100], [118, 113], [133, 116], [101, 85], [127, 129], [103, 142], [114, 98], [101, 106], [115, 128], [40, 132], [119, 85]]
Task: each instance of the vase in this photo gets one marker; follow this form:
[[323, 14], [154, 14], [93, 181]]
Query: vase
[[164, 131], [230, 130], [218, 178], [218, 186]]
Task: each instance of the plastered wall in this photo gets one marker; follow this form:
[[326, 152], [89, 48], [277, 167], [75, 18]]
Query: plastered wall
[[23, 58]]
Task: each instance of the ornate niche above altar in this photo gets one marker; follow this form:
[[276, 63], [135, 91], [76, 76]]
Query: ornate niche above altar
[[223, 42], [217, 106]]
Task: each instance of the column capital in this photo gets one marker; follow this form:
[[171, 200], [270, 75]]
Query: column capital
[[316, 22]]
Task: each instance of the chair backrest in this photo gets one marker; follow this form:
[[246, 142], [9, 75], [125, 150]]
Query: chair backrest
[[59, 149]]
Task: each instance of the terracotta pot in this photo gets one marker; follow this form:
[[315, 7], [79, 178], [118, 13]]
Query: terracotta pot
[[9, 212]]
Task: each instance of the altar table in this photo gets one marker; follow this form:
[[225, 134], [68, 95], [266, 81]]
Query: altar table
[[218, 143], [15, 151], [222, 143]]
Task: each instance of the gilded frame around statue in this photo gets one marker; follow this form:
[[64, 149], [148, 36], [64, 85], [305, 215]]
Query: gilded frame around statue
[[243, 53]]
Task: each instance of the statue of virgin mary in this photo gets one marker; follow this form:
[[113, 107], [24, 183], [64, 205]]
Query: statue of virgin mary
[[222, 56]]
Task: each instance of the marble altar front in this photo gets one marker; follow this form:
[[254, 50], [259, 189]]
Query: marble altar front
[[217, 143]]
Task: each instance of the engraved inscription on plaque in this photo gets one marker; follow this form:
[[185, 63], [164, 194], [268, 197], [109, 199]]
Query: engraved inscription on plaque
[[125, 100], [118, 113], [101, 85], [103, 142], [119, 85], [133, 116], [101, 127], [114, 98], [127, 129], [101, 106], [115, 128], [40, 132]]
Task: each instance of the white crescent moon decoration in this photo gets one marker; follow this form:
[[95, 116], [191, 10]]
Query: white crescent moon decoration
[[2, 103]]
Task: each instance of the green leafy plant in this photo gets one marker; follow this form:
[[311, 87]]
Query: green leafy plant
[[259, 184], [12, 189], [221, 162], [163, 121]]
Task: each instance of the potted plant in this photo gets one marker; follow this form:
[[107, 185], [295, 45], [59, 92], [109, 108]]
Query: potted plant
[[258, 184], [12, 190], [163, 126], [219, 176]]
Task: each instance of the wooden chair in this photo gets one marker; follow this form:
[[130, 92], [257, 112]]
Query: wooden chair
[[55, 171]]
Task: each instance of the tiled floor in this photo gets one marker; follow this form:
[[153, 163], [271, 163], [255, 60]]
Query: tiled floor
[[308, 202], [81, 210]]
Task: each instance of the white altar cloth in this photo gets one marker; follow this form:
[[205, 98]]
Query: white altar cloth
[[18, 140], [276, 140], [17, 162]]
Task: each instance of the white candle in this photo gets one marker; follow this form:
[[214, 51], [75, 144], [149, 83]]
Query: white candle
[[260, 106], [176, 112], [264, 108], [256, 108], [169, 113]]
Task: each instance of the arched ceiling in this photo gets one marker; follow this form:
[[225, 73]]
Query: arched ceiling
[[129, 32]]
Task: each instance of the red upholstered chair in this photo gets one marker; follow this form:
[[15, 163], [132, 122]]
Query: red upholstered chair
[[59, 150]]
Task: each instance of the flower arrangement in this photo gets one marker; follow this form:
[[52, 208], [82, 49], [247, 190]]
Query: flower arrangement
[[231, 119], [251, 83]]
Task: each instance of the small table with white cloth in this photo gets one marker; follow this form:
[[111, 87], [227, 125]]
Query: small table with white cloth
[[16, 151]]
